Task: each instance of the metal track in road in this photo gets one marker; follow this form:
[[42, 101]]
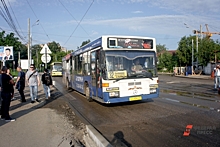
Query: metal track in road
[[69, 98], [100, 139], [190, 90], [185, 89], [140, 123]]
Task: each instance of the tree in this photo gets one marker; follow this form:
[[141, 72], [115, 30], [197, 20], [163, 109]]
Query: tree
[[165, 61], [85, 42], [207, 50], [56, 55], [161, 48], [11, 40], [54, 47], [36, 56], [184, 50]]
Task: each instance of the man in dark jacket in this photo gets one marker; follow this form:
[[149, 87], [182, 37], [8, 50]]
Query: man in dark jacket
[[47, 81], [20, 83], [7, 81]]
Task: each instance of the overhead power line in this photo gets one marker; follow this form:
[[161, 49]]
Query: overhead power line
[[38, 19], [4, 12], [73, 17], [15, 17], [79, 22]]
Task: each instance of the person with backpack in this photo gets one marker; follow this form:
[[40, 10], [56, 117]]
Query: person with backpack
[[20, 83], [33, 80], [47, 81]]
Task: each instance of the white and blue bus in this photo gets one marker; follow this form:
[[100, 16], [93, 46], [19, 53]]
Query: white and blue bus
[[113, 69]]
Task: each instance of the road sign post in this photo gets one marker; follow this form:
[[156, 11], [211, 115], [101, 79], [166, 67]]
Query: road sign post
[[45, 57]]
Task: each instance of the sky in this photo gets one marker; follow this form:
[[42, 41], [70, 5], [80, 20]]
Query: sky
[[70, 22]]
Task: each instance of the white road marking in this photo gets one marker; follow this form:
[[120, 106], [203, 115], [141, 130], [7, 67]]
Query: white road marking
[[171, 82], [171, 100]]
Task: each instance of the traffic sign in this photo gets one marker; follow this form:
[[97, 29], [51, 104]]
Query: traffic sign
[[45, 50], [43, 58]]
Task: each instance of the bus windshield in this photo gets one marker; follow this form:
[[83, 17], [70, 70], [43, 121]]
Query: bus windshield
[[130, 64]]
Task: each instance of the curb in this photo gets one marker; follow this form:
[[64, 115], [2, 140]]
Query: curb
[[96, 137], [195, 77], [189, 77]]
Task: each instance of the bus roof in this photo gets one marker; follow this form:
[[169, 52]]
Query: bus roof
[[98, 43], [55, 63], [67, 57]]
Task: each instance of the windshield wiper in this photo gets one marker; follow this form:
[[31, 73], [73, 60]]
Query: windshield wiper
[[118, 80], [147, 75]]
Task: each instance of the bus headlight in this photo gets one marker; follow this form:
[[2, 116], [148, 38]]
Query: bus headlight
[[153, 88], [114, 94]]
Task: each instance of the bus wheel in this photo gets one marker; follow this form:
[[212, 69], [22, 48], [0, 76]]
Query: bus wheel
[[87, 92]]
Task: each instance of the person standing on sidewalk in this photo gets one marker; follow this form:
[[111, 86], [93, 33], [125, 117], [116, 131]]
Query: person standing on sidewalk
[[33, 81], [7, 81], [11, 86], [47, 81], [0, 92], [20, 83], [217, 76]]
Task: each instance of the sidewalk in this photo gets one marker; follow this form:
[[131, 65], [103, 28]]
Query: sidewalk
[[49, 123], [35, 126], [208, 77]]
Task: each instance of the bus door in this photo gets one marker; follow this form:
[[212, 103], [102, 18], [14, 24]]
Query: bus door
[[72, 70], [96, 74]]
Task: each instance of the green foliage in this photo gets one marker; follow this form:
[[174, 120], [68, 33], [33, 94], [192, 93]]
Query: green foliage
[[165, 61], [161, 48], [184, 51], [56, 55], [206, 50], [85, 42], [54, 47], [11, 40]]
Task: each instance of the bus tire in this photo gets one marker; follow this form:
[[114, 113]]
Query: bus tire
[[87, 93]]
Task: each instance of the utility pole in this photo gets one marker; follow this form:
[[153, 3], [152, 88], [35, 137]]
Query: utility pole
[[19, 58], [46, 58], [29, 41], [192, 56], [30, 48], [197, 50], [201, 32], [37, 56]]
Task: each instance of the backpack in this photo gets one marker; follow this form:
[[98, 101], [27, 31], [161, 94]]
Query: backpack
[[47, 79]]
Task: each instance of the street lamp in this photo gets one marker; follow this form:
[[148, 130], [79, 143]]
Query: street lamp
[[197, 42], [36, 23], [197, 50], [29, 40]]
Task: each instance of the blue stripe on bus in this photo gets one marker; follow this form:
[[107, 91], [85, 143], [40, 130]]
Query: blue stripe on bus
[[107, 99], [78, 85]]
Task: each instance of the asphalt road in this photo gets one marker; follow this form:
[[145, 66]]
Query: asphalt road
[[161, 121]]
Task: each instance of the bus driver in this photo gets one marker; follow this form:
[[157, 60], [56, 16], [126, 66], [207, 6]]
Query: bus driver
[[137, 66]]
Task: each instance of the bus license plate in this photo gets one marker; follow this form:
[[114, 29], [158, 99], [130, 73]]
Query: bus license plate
[[135, 98]]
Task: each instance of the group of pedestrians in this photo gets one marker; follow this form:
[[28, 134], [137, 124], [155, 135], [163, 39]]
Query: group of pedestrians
[[32, 79]]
